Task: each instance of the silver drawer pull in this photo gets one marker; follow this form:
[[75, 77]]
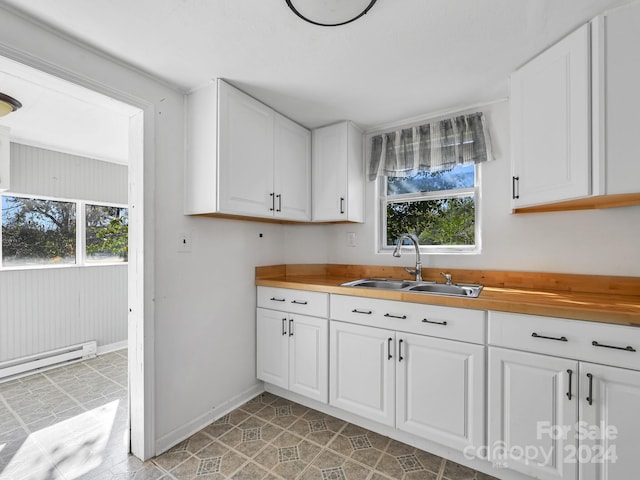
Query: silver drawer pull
[[559, 339], [426, 320], [401, 317], [364, 312], [298, 303], [626, 349], [277, 299]]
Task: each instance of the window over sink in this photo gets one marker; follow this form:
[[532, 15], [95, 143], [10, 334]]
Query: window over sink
[[428, 182], [440, 208]]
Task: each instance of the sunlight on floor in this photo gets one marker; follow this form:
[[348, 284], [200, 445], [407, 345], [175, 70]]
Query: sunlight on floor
[[76, 446]]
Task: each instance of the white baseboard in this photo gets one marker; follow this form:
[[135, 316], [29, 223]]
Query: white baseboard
[[112, 347], [176, 436]]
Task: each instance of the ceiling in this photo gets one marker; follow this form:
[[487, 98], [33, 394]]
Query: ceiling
[[61, 116], [403, 59]]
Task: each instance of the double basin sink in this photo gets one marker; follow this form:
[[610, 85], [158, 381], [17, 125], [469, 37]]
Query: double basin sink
[[431, 288]]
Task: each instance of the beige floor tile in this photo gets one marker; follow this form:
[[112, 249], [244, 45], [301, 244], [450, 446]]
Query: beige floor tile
[[267, 438]]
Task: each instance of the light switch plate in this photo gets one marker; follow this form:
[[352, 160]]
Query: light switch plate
[[351, 239]]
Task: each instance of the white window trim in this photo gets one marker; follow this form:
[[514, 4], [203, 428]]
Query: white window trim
[[81, 261], [383, 248]]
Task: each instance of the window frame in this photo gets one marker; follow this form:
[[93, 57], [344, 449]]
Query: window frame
[[81, 227], [383, 200]]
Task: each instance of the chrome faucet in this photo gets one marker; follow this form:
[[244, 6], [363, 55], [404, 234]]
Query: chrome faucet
[[416, 243]]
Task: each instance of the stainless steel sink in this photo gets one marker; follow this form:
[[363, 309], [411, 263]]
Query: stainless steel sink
[[384, 284], [442, 289], [430, 288]]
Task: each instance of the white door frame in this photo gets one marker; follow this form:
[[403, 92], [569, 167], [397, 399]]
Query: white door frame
[[141, 250]]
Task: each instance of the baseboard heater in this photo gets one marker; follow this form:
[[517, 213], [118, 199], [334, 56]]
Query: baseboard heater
[[46, 360]]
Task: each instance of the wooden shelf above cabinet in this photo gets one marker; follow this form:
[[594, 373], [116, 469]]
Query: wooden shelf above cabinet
[[590, 203]]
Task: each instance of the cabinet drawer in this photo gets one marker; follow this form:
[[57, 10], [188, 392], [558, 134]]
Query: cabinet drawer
[[315, 304], [604, 343], [444, 322]]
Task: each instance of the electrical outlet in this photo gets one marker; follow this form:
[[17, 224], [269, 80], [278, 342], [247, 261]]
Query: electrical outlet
[[351, 239], [184, 242]]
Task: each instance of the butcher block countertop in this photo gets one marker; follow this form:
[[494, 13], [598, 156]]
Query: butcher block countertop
[[610, 299]]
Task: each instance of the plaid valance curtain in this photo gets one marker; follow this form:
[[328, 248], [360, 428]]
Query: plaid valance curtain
[[431, 147]]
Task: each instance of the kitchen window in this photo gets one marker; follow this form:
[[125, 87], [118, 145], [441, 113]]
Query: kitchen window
[[50, 232], [440, 208], [428, 182]]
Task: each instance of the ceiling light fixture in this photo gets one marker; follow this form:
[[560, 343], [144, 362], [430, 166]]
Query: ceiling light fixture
[[330, 13], [8, 104]]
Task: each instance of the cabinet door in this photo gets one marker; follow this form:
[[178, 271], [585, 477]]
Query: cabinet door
[[5, 152], [272, 349], [292, 170], [330, 172], [550, 121], [362, 371], [609, 401], [440, 390], [245, 148], [527, 401], [309, 356], [617, 100]]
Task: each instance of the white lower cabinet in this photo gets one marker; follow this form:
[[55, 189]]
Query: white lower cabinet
[[609, 403], [292, 352], [527, 396], [564, 418], [429, 387], [440, 390], [272, 347], [362, 371]]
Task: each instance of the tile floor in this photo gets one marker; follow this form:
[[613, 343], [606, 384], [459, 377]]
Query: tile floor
[[71, 423]]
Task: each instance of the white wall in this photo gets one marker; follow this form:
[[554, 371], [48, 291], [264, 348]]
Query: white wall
[[38, 171], [588, 242], [47, 308], [202, 326]]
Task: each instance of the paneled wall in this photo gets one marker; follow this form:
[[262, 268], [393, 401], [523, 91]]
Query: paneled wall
[[46, 308]]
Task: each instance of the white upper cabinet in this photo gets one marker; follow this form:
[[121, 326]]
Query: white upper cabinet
[[573, 111], [245, 149], [5, 153], [292, 182], [616, 76], [243, 158], [550, 101], [338, 174]]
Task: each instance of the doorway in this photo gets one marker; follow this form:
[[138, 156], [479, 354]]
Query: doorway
[[138, 403]]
